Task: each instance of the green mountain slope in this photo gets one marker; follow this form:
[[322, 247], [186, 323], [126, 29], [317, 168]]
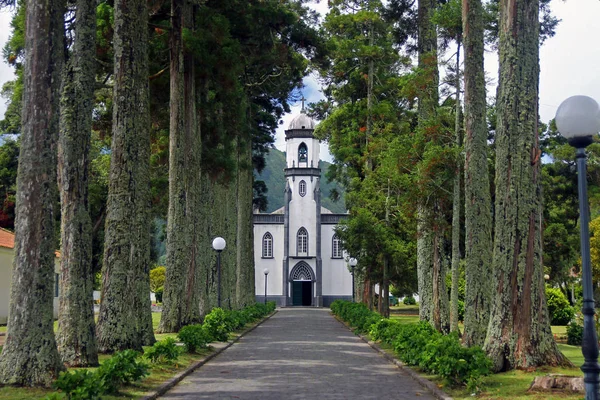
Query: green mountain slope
[[273, 177]]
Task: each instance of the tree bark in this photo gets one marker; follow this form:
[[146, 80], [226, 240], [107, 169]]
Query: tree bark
[[125, 320], [478, 204], [456, 203], [30, 356], [76, 327], [519, 334]]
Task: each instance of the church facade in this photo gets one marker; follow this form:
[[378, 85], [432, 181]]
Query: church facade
[[297, 244]]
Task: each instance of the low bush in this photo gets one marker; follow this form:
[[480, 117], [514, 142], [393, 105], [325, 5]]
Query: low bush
[[194, 337], [216, 326], [164, 351], [574, 333], [121, 369], [357, 315], [409, 301], [82, 384], [561, 312]]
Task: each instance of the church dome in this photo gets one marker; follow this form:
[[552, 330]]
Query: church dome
[[302, 121]]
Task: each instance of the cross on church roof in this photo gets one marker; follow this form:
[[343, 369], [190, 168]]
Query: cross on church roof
[[303, 100]]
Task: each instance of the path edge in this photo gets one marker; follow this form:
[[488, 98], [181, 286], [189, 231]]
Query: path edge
[[427, 384], [168, 385]]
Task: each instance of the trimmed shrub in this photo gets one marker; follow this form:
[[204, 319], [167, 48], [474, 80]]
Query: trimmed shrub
[[561, 312], [164, 351], [79, 384], [121, 369], [574, 334], [216, 326], [194, 337], [82, 384], [409, 301]]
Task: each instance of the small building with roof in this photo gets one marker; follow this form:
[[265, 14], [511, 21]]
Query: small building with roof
[[7, 253], [297, 243]]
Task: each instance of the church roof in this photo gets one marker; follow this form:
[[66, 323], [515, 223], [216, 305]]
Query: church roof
[[302, 121]]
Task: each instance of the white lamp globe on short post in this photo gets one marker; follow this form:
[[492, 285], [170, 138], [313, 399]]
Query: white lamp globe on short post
[[219, 245], [578, 120], [352, 262], [266, 272]]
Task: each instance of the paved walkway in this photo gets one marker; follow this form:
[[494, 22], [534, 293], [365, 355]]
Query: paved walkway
[[300, 353]]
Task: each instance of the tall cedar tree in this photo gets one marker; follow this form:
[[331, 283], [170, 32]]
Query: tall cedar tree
[[519, 334], [76, 334], [431, 253], [181, 302], [478, 211], [30, 356], [125, 320]]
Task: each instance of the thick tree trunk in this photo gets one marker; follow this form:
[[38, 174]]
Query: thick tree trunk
[[76, 327], [434, 305], [125, 320], [181, 304], [456, 203], [29, 356], [244, 290], [478, 205], [519, 334]]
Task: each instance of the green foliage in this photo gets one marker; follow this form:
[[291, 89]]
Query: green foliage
[[157, 278], [574, 333], [79, 384], [561, 312], [121, 369], [216, 325], [357, 315], [194, 337], [409, 301], [421, 345], [164, 351]]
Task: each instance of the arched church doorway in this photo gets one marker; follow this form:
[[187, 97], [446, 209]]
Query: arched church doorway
[[302, 278]]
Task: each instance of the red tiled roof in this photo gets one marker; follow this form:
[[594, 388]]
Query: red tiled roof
[[7, 240]]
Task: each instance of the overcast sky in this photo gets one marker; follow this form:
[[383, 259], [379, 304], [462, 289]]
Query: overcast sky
[[570, 61]]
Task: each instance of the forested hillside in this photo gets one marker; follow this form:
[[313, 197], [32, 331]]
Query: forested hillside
[[273, 177]]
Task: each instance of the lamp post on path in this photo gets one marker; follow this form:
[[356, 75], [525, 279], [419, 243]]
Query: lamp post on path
[[578, 119], [266, 272], [219, 245], [352, 262]]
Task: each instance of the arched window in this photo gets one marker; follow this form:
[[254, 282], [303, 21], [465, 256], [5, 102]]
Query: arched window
[[302, 242], [267, 246], [302, 188], [302, 153], [336, 247]]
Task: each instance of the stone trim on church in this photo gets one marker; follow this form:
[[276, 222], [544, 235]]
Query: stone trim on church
[[304, 267]]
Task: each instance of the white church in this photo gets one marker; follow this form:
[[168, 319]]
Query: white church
[[296, 244]]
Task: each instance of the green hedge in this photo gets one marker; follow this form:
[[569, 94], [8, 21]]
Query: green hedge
[[419, 345]]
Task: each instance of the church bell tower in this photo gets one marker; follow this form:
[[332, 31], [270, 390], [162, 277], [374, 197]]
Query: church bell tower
[[302, 262]]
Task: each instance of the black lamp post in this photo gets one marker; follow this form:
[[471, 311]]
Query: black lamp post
[[577, 119], [352, 262], [219, 245], [266, 272]]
